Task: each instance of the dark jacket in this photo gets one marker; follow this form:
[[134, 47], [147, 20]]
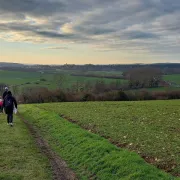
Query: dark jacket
[[9, 109], [4, 94]]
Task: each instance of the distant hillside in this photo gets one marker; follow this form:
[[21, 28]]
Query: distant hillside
[[167, 68], [4, 64]]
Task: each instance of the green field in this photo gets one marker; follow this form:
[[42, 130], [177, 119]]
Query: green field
[[98, 140], [19, 157], [175, 78], [89, 155], [47, 79], [99, 73], [150, 128], [24, 78], [29, 79], [80, 79]]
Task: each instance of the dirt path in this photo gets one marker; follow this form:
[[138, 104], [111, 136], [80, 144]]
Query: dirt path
[[59, 166]]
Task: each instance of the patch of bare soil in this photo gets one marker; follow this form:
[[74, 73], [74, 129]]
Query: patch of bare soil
[[59, 166]]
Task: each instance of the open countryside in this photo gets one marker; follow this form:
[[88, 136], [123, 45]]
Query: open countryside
[[70, 77], [89, 90], [121, 139]]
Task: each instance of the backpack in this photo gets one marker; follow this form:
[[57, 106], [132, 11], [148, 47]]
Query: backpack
[[8, 102]]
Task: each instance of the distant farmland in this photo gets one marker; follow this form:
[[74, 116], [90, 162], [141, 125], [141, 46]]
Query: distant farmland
[[46, 79], [72, 78], [175, 78]]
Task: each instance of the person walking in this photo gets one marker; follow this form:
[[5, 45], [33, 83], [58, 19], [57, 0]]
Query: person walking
[[5, 92], [9, 103]]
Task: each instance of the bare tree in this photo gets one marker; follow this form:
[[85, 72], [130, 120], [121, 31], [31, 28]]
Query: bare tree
[[143, 77], [60, 79]]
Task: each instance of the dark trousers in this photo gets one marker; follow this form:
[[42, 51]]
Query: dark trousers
[[1, 109], [10, 118]]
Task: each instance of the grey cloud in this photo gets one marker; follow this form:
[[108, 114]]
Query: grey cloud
[[139, 35], [151, 25], [51, 34], [39, 31], [17, 27], [94, 30], [34, 7]]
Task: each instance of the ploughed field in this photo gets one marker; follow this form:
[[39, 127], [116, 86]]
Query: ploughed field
[[150, 128]]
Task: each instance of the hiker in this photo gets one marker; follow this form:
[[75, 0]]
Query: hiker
[[5, 92], [9, 103], [1, 104]]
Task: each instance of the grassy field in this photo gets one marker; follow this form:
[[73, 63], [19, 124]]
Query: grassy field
[[17, 77], [101, 73], [24, 78], [175, 78], [19, 157], [47, 79], [29, 79], [80, 79], [150, 128], [91, 156]]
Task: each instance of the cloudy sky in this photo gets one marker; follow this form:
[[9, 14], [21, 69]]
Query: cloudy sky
[[89, 31]]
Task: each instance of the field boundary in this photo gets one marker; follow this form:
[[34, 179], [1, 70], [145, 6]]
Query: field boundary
[[59, 167]]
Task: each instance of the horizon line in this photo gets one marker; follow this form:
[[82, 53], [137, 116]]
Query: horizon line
[[32, 64]]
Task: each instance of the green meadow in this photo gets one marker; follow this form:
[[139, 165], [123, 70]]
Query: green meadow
[[48, 79], [98, 140], [175, 78], [149, 128], [68, 79], [89, 154]]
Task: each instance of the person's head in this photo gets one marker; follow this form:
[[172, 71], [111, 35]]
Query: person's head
[[6, 88], [9, 93]]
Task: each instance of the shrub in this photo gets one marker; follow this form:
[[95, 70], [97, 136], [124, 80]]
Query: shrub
[[88, 97], [121, 96], [42, 79], [42, 95]]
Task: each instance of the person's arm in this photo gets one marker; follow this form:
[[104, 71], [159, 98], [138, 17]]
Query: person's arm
[[15, 102]]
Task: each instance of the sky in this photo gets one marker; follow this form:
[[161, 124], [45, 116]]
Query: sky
[[89, 31]]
